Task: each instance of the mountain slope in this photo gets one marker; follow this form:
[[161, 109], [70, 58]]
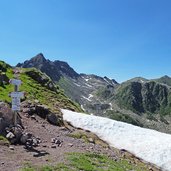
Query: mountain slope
[[38, 86], [138, 101], [164, 80], [149, 97], [81, 88]]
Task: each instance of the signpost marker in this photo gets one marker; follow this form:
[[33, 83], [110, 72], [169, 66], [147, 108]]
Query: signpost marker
[[16, 96]]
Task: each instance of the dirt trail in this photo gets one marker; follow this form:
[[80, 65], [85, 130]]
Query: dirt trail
[[13, 160]]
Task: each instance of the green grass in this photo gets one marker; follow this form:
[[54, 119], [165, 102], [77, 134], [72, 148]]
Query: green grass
[[116, 115], [90, 162], [88, 137], [4, 93], [53, 98], [6, 88], [3, 141], [3, 138]]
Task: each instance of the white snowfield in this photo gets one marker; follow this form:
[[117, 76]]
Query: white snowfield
[[150, 145]]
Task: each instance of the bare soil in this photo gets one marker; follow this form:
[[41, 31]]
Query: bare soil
[[13, 160]]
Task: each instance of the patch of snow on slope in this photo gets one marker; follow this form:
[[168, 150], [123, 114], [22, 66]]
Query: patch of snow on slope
[[88, 85], [86, 98], [150, 145], [77, 84], [90, 96], [87, 79], [106, 80], [82, 107], [110, 106]]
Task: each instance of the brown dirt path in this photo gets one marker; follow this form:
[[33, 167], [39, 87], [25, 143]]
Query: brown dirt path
[[13, 160]]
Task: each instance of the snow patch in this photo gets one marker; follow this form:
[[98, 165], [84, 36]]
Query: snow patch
[[110, 106], [88, 85], [86, 79], [86, 98], [82, 107], [90, 96], [150, 145], [106, 80], [77, 84]]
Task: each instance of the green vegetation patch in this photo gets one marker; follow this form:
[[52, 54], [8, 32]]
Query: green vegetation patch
[[88, 137], [149, 97], [105, 93], [6, 88], [45, 91], [3, 141], [116, 115], [37, 85], [90, 162]]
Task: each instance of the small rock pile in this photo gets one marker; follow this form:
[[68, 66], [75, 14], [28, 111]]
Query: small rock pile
[[16, 135], [56, 142]]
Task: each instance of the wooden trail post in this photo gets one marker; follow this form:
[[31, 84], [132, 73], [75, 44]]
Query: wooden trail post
[[16, 96]]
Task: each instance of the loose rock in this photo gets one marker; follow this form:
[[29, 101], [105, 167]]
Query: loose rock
[[11, 147], [53, 146]]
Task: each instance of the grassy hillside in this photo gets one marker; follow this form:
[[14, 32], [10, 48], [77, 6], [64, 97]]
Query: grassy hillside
[[38, 86], [5, 88], [148, 97]]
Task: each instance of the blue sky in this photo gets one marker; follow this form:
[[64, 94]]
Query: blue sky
[[120, 39]]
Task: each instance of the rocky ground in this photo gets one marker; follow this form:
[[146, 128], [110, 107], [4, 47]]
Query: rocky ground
[[54, 143]]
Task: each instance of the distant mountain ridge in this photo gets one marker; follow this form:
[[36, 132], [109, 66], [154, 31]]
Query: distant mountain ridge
[[138, 101], [164, 80], [54, 69], [81, 88]]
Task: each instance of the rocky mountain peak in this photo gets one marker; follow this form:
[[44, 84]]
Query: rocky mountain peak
[[36, 61], [166, 77], [39, 58], [66, 69], [164, 80], [55, 70]]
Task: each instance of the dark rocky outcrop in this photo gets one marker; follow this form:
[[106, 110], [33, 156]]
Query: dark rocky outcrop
[[54, 119], [43, 111], [4, 66], [7, 117], [3, 79]]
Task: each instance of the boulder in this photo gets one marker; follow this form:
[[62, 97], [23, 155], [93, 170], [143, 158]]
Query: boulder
[[7, 118], [53, 119], [14, 134], [42, 111], [25, 137], [3, 78], [10, 135], [29, 140]]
